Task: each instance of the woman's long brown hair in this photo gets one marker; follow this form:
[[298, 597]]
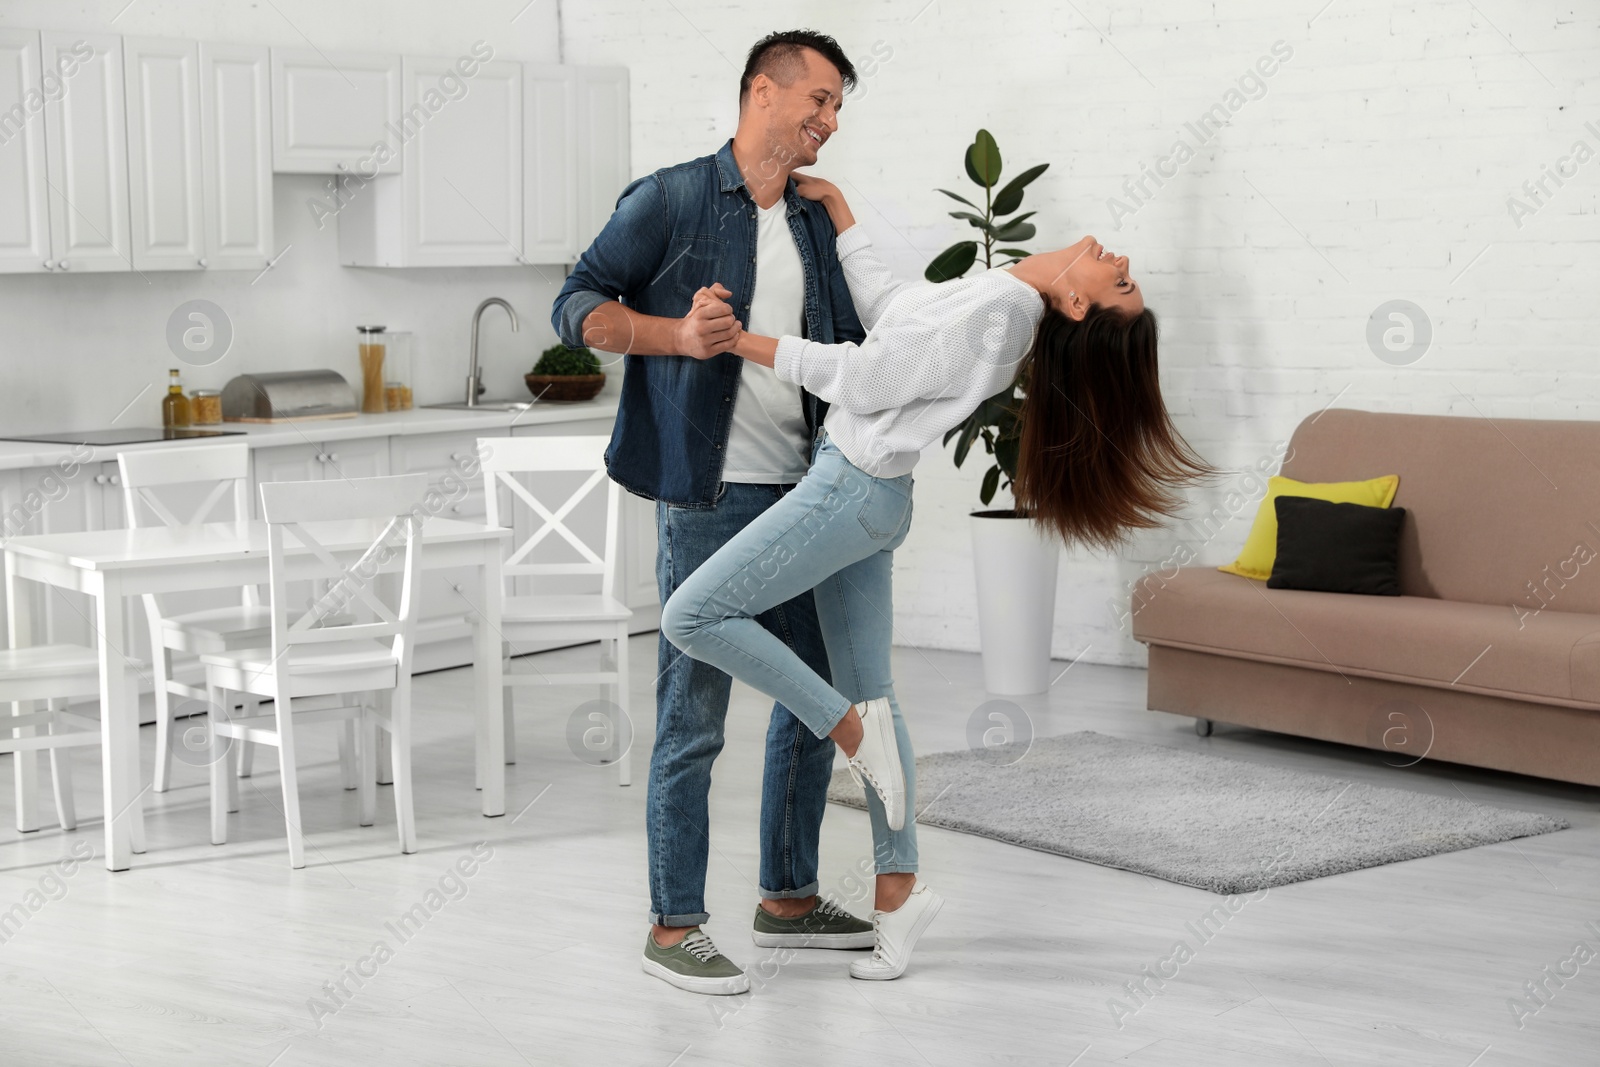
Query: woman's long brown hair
[[1098, 455]]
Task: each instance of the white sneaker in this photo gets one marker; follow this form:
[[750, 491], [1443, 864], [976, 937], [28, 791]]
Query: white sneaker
[[897, 933], [877, 760]]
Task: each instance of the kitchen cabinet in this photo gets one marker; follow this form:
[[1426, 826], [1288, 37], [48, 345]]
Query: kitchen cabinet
[[165, 191], [24, 209], [524, 168], [601, 110], [329, 110], [199, 176], [366, 457], [458, 201], [86, 153], [549, 154], [236, 155]]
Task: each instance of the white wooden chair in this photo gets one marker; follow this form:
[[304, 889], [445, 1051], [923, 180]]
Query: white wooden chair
[[566, 618], [226, 468], [52, 673], [317, 656]]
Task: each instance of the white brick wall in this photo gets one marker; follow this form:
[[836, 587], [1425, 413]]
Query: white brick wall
[[1377, 166]]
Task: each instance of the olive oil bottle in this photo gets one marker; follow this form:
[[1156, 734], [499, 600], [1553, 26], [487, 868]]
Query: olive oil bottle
[[174, 406]]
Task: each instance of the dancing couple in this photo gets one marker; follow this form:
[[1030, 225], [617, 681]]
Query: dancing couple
[[780, 385]]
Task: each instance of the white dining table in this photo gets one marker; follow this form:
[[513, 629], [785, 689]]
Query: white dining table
[[112, 565]]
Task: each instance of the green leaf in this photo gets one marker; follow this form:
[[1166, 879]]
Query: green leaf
[[1024, 217], [1005, 455], [951, 432], [969, 433], [1016, 231], [963, 199], [991, 482], [953, 262], [1020, 253], [973, 220], [983, 160], [1009, 199]]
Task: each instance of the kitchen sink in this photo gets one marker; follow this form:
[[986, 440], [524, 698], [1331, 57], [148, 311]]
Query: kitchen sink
[[484, 405]]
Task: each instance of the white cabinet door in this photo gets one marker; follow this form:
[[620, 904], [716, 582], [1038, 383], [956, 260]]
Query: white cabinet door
[[165, 190], [462, 183], [331, 108], [366, 457], [549, 173], [24, 214], [236, 146], [602, 149], [86, 149]]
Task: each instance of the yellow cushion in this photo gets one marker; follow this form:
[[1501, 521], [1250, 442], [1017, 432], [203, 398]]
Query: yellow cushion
[[1261, 547]]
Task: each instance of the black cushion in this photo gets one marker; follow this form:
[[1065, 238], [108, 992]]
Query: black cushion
[[1337, 548]]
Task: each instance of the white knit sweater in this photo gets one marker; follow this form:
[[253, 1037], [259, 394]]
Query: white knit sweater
[[932, 354]]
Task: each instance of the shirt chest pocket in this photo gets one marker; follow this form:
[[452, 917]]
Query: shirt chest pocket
[[694, 261]]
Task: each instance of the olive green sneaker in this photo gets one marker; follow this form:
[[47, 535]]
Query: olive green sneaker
[[694, 964], [825, 926]]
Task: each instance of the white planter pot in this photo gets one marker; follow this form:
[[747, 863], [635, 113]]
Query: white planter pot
[[1016, 571]]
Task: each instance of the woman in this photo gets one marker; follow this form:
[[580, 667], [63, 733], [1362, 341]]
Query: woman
[[1098, 457]]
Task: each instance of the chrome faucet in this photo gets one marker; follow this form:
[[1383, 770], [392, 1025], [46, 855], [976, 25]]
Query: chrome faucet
[[474, 381]]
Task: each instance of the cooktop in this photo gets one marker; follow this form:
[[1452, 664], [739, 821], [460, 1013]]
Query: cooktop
[[131, 436]]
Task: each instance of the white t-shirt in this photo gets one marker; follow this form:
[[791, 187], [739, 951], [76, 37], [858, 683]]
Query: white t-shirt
[[768, 442]]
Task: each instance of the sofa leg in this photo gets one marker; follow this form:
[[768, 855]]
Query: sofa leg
[[1203, 727]]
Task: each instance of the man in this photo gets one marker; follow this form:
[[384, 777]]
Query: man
[[716, 443]]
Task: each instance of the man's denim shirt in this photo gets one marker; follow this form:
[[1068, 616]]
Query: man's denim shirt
[[673, 232]]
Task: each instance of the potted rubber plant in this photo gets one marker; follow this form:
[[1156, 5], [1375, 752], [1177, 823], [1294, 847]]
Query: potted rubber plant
[[564, 373], [1014, 562]]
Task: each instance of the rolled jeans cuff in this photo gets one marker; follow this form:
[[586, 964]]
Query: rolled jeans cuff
[[790, 894], [693, 918], [896, 868]]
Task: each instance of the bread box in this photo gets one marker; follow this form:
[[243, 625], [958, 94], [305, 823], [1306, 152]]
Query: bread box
[[287, 396]]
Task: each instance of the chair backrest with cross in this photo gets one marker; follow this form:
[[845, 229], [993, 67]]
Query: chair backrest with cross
[[507, 457], [386, 515], [152, 480]]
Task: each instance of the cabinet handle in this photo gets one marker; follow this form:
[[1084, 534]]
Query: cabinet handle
[[49, 264], [333, 457], [62, 265], [116, 479], [203, 262], [100, 479], [322, 457], [456, 508]]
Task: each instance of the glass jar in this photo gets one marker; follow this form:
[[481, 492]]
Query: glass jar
[[205, 408], [397, 370], [372, 351]]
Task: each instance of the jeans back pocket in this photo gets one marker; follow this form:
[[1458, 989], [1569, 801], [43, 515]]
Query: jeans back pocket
[[886, 511]]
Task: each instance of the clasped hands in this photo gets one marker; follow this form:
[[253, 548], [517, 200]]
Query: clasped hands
[[709, 328]]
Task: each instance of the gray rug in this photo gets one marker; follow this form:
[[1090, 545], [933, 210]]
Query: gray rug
[[1198, 820]]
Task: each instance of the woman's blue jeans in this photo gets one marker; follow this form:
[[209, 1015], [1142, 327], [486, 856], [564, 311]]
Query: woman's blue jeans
[[835, 533]]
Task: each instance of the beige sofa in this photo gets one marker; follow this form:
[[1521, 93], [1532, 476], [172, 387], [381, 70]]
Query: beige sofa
[[1491, 655]]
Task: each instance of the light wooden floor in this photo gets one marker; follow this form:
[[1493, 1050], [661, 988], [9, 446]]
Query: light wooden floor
[[215, 956]]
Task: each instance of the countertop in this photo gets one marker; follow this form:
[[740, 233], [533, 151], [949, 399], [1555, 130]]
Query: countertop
[[15, 455]]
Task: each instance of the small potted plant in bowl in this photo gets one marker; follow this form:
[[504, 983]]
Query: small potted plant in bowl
[[564, 373]]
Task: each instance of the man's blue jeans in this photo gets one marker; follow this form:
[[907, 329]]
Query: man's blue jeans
[[691, 705], [835, 534]]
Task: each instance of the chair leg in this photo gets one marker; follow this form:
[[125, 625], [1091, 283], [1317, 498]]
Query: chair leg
[[288, 773], [509, 705], [162, 665], [624, 731], [61, 775], [218, 769], [367, 771], [385, 759], [248, 705], [349, 774], [400, 728]]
